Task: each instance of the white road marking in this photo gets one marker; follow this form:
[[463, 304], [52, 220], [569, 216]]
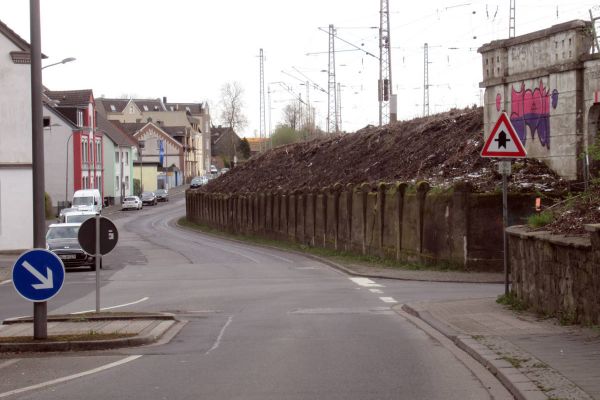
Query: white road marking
[[218, 341], [70, 377], [388, 299], [365, 282], [6, 282], [378, 291], [113, 307], [8, 363]]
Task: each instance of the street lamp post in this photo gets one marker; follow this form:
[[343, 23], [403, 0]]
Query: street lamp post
[[66, 60]]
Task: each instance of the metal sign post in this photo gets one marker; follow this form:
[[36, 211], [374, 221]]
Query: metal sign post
[[504, 167], [504, 143], [97, 260], [98, 236]]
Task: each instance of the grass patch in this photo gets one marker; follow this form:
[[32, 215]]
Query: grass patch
[[340, 256], [540, 219], [89, 336], [512, 302]]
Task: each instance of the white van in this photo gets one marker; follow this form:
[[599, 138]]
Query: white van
[[87, 200]]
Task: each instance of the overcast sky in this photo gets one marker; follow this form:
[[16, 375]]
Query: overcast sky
[[187, 49]]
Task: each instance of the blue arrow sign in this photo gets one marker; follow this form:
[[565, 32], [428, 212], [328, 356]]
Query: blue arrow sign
[[38, 275]]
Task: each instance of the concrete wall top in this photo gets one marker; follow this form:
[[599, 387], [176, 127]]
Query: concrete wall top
[[558, 48]]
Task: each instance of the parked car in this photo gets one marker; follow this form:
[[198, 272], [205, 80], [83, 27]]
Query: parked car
[[64, 211], [198, 181], [87, 200], [162, 195], [131, 202], [78, 217], [149, 198], [61, 239], [213, 169]]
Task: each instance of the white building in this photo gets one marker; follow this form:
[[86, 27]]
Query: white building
[[16, 191]]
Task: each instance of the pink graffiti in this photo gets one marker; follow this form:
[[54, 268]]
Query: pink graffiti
[[531, 108]]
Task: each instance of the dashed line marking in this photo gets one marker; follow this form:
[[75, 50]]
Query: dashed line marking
[[6, 282], [388, 299], [378, 291], [365, 282]]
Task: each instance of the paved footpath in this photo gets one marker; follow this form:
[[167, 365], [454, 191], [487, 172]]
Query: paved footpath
[[534, 358]]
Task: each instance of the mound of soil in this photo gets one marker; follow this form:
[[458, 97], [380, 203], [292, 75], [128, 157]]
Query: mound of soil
[[442, 149], [571, 216]]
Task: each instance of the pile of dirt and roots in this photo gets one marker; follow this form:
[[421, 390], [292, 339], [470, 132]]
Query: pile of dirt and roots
[[571, 215], [442, 149]]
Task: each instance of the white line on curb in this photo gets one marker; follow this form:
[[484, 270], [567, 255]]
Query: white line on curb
[[113, 307], [70, 377], [365, 282], [6, 282], [388, 299]]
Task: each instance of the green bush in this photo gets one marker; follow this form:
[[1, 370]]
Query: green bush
[[540, 219], [48, 209]]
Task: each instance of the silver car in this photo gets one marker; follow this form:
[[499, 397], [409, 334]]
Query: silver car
[[132, 203]]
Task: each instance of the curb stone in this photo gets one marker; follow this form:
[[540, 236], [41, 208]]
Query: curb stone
[[148, 336]]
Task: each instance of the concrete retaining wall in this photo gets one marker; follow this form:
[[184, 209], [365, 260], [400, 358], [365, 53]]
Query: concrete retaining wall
[[391, 220], [557, 275]]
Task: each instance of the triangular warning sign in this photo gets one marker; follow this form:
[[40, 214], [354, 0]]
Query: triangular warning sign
[[503, 142]]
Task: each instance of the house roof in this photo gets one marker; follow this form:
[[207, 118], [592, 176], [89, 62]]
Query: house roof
[[13, 37], [58, 114], [120, 137], [193, 108], [149, 104], [132, 128], [111, 105], [71, 98]]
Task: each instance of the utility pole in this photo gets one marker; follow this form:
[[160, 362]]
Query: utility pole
[[339, 105], [426, 81], [511, 20], [332, 118], [262, 101], [384, 91]]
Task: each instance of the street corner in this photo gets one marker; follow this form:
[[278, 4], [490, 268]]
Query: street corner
[[86, 332]]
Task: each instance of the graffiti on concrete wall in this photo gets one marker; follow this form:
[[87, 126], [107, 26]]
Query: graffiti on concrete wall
[[531, 108]]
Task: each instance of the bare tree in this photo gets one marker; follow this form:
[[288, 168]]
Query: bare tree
[[231, 112], [232, 104], [291, 115]]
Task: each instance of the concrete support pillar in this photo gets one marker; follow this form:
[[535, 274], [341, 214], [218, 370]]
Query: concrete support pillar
[[381, 195], [422, 189], [400, 188]]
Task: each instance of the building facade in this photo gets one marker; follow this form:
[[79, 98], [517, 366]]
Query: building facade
[[78, 106], [548, 83], [16, 190]]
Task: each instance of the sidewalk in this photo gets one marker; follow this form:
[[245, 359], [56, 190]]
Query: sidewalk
[[533, 358]]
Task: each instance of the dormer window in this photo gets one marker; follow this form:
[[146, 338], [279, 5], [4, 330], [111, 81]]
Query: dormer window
[[113, 108], [187, 109], [145, 107]]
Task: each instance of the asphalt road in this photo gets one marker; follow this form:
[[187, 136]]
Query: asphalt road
[[262, 324]]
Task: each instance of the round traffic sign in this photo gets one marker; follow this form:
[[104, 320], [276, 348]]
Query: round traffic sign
[[38, 275], [109, 236]]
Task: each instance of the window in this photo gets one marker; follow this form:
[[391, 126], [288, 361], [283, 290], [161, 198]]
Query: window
[[145, 107], [98, 153], [113, 108], [79, 118], [117, 188], [131, 109], [84, 151], [116, 156], [126, 158]]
